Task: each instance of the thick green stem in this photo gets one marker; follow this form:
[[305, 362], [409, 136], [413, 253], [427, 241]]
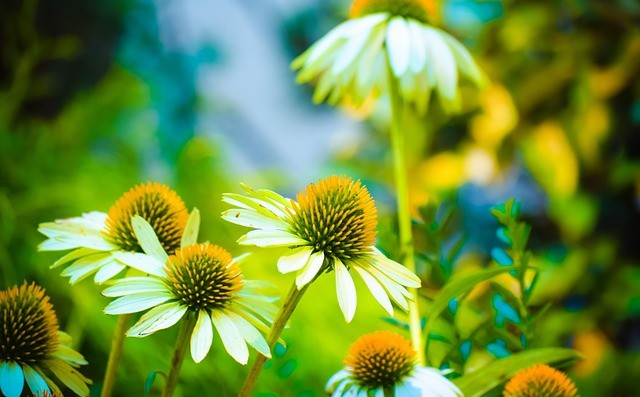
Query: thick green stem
[[290, 303], [115, 354], [404, 215], [188, 322]]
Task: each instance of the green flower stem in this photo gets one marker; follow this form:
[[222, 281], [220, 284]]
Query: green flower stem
[[115, 354], [398, 147], [182, 342], [290, 303]]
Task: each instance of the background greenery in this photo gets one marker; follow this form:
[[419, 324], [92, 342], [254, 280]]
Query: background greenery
[[92, 102]]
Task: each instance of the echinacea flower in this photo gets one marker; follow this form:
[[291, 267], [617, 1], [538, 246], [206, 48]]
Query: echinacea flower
[[98, 239], [33, 351], [199, 280], [540, 381], [386, 362], [352, 60], [330, 227]]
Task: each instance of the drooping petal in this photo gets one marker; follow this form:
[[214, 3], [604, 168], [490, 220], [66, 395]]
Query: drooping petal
[[250, 334], [190, 234], [108, 271], [376, 289], [36, 383], [398, 45], [73, 255], [84, 266], [231, 338], [73, 379], [346, 290], [137, 302], [294, 261], [160, 317], [201, 337], [11, 379], [253, 219], [311, 269], [147, 238], [395, 271], [270, 238]]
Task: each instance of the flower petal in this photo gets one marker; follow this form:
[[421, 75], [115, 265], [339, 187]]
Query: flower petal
[[137, 302], [376, 289], [134, 285], [294, 261], [108, 271], [346, 290], [145, 263], [190, 233], [231, 338], [36, 383], [201, 337], [11, 379], [250, 334], [253, 219], [160, 317], [270, 238], [310, 270], [147, 238], [73, 379], [398, 45], [395, 271]]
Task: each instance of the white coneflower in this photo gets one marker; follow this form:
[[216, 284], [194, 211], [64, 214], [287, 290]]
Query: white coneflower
[[330, 227], [97, 238], [352, 60], [385, 364], [33, 351], [201, 282]]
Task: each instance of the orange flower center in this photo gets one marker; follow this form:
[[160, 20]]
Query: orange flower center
[[28, 325], [540, 381], [203, 276], [380, 359], [336, 216], [415, 9], [157, 204]]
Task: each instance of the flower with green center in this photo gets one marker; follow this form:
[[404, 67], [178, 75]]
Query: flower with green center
[[540, 381], [384, 362], [202, 281], [97, 239], [33, 351], [330, 227], [388, 36]]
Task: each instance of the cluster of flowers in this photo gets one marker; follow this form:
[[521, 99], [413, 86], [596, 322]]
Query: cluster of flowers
[[146, 250]]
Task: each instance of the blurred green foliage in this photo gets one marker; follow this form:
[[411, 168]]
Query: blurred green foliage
[[89, 109]]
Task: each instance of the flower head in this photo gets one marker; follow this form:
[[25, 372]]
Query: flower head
[[32, 348], [330, 227], [540, 381], [384, 361], [388, 36], [202, 281], [97, 238]]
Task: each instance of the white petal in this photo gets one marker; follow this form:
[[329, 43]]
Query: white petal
[[464, 60], [444, 63], [144, 263], [160, 317], [311, 269], [231, 338], [336, 378], [56, 245], [137, 302], [147, 238], [250, 334], [294, 261], [190, 234], [253, 219], [350, 51], [108, 271], [418, 49], [134, 285], [270, 238], [394, 290], [405, 389], [201, 337], [73, 255], [376, 289], [395, 271], [83, 267], [346, 290], [398, 45]]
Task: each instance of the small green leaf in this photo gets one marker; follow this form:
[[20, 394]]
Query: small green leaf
[[481, 381], [151, 378], [457, 287]]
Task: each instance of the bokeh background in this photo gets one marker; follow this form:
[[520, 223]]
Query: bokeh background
[[96, 96]]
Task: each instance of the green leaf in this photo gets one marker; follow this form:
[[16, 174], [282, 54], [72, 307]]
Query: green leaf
[[481, 381], [151, 378], [457, 287]]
